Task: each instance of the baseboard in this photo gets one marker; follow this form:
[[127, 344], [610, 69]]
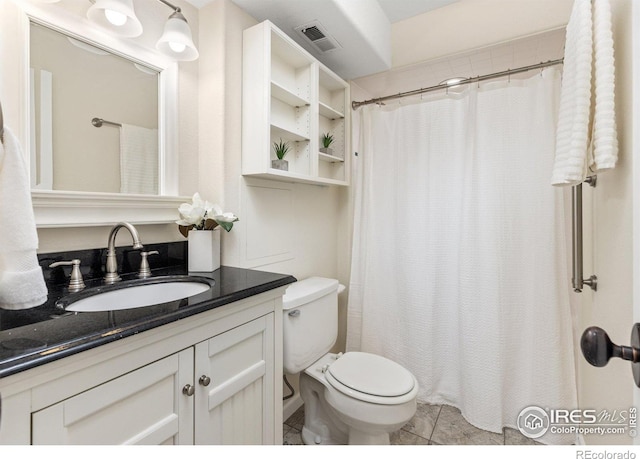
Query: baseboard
[[291, 405]]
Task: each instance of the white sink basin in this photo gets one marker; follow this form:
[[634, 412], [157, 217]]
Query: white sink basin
[[138, 296]]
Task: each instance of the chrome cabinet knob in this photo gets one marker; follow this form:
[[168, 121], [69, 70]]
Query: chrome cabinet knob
[[204, 380], [188, 390]]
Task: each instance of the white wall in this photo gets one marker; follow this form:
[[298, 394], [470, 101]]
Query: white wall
[[472, 24], [283, 227]]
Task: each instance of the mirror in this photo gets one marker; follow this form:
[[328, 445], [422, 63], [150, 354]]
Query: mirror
[[94, 117], [59, 208]]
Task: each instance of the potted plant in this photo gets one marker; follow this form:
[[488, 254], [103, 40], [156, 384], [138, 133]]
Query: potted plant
[[327, 140], [281, 149], [199, 223]]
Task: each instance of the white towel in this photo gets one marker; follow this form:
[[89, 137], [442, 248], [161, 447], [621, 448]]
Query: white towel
[[21, 280], [604, 142], [586, 133], [138, 160]]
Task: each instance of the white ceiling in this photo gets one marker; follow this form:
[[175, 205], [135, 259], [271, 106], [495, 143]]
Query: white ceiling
[[362, 28], [396, 10]]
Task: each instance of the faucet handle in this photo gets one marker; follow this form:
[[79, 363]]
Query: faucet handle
[[145, 270], [76, 283]]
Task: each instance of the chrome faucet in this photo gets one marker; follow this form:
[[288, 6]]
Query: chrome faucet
[[112, 264]]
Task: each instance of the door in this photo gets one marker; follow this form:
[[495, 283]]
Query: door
[[234, 394], [144, 407]]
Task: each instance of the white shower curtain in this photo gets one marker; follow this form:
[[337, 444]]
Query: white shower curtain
[[459, 262]]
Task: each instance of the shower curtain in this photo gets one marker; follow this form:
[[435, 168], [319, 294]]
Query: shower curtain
[[459, 262]]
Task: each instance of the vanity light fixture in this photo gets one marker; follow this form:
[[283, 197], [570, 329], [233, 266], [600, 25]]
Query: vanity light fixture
[[117, 16], [176, 41]]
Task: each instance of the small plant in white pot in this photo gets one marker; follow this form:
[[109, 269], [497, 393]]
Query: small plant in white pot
[[281, 149], [327, 140]]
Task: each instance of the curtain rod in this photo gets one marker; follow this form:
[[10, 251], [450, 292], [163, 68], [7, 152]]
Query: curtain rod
[[355, 105]]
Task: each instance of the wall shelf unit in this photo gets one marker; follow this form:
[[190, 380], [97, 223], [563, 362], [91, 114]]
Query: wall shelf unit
[[288, 95], [329, 158]]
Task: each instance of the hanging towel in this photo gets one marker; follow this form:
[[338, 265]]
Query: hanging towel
[[604, 142], [138, 160], [586, 133], [21, 280]]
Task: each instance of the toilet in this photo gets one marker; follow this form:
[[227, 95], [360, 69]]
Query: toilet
[[351, 398]]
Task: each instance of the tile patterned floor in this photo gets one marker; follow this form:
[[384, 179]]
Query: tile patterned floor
[[432, 425]]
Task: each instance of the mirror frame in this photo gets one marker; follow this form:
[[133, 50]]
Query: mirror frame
[[53, 208]]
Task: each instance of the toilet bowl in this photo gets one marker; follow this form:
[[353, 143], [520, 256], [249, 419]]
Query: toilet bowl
[[351, 398], [356, 398]]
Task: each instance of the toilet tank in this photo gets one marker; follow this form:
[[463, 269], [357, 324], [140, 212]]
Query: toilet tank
[[310, 322]]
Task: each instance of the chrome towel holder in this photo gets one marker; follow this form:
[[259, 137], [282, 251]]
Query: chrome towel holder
[[98, 122], [576, 204]]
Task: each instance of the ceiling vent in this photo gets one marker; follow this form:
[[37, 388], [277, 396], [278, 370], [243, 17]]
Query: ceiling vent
[[315, 34]]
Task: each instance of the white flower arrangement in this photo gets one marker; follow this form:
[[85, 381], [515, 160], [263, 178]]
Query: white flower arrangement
[[202, 215]]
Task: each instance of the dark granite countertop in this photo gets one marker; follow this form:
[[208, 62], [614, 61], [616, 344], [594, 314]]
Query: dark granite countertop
[[40, 335]]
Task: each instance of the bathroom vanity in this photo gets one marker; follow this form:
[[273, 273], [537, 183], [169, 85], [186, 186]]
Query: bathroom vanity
[[201, 370]]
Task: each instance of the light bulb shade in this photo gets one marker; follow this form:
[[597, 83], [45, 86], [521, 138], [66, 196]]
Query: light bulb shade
[[98, 14], [177, 36]]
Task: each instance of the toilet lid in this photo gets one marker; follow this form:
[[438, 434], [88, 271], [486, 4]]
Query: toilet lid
[[371, 374]]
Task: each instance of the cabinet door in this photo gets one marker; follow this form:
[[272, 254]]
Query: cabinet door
[[237, 406], [146, 406]]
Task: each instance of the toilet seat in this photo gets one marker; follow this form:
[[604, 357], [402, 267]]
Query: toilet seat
[[371, 378]]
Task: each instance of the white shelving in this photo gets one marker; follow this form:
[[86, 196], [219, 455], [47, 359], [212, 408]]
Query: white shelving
[[329, 158], [329, 112], [288, 95]]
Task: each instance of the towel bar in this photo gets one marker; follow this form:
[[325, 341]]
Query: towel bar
[[576, 205], [98, 122]]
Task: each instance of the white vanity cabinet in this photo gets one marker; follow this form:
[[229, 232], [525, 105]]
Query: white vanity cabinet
[[212, 378]]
